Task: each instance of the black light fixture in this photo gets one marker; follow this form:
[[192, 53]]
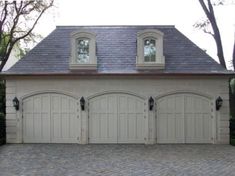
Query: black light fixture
[[16, 103], [218, 103], [151, 103], [82, 103]]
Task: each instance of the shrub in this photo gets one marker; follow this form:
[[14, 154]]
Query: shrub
[[2, 113], [232, 131], [232, 97], [2, 129]]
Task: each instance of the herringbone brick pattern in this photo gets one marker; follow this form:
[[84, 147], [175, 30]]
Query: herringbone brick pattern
[[116, 160]]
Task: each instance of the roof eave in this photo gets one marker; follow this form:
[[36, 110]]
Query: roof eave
[[6, 75]]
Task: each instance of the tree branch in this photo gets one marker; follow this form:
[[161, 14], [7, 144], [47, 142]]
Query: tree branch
[[4, 61], [233, 60], [211, 17], [36, 21], [204, 8], [13, 28], [208, 32], [3, 20]]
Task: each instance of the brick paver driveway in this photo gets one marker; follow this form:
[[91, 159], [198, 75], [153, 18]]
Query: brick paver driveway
[[110, 160]]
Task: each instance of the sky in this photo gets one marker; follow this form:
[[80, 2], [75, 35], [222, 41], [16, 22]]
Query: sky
[[181, 13]]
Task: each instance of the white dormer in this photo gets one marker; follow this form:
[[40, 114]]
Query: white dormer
[[150, 50], [83, 51]]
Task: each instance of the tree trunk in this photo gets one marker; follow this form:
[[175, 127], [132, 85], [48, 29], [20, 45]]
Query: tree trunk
[[234, 56], [209, 11], [220, 52]]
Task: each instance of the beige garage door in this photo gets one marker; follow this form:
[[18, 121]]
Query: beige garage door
[[50, 118], [184, 118], [116, 118]]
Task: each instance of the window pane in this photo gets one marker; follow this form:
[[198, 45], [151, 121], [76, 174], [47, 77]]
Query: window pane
[[149, 50], [82, 51]]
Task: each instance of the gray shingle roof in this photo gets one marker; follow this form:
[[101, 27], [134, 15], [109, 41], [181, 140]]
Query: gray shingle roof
[[116, 52]]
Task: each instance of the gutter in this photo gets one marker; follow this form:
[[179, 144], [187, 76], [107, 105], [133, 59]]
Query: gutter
[[106, 74]]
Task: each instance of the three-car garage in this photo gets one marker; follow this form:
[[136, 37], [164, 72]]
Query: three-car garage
[[116, 118]]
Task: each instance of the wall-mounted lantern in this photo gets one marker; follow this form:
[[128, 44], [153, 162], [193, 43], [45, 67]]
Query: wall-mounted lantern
[[218, 103], [151, 103], [82, 103], [16, 103]]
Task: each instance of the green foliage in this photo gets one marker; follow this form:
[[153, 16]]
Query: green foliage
[[17, 22], [2, 97], [232, 131], [20, 47], [232, 142], [2, 116], [232, 85], [3, 45], [232, 97], [2, 113]]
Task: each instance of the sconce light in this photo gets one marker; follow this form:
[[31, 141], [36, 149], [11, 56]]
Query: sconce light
[[16, 103], [218, 103], [151, 103], [82, 103]]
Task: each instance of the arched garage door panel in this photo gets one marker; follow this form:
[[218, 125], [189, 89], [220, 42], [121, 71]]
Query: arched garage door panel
[[116, 118], [103, 119], [64, 119], [50, 118], [36, 119], [130, 119], [198, 119], [170, 120], [184, 118]]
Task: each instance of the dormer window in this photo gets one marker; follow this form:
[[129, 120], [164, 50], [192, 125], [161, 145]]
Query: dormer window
[[150, 50], [83, 52]]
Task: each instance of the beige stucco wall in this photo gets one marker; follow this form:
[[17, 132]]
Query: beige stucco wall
[[145, 87]]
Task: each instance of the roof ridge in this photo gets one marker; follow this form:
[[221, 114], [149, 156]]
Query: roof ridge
[[113, 26]]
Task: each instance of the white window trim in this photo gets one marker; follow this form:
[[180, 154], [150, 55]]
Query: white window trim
[[160, 59], [92, 64]]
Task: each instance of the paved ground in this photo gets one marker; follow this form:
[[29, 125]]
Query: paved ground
[[114, 160]]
